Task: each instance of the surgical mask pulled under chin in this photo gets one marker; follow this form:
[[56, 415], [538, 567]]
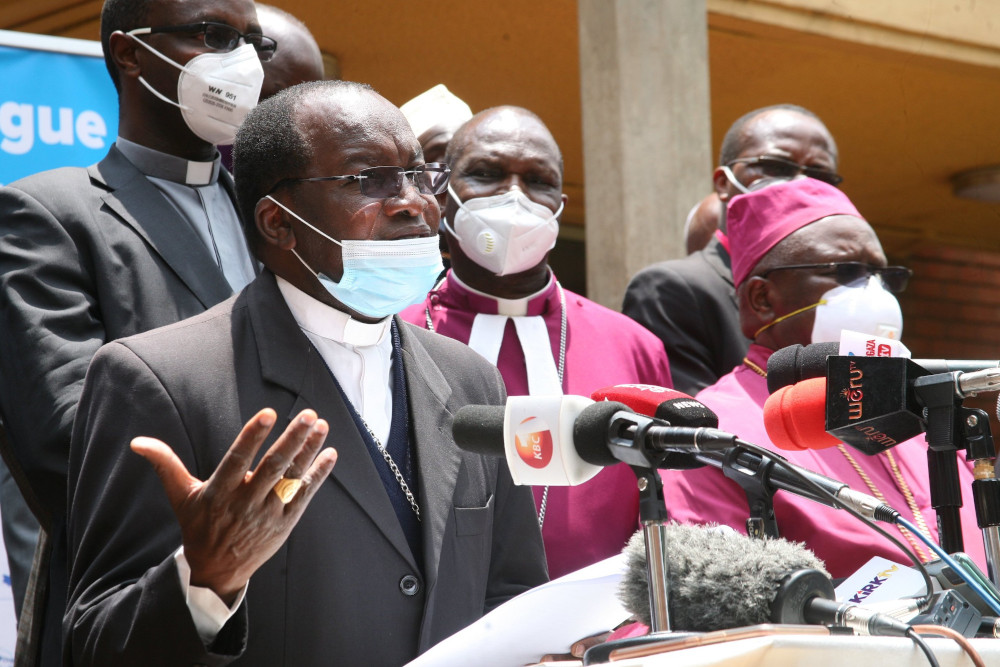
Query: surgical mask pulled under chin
[[506, 233], [381, 278], [867, 308], [215, 91]]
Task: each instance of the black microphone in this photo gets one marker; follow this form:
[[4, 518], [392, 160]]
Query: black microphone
[[795, 363], [670, 405], [720, 579]]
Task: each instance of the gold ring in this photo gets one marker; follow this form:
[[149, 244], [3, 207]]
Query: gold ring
[[287, 488]]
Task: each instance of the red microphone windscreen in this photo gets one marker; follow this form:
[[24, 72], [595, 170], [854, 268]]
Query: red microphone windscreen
[[795, 416], [643, 398]]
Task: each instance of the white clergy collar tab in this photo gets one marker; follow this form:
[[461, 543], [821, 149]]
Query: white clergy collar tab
[[508, 307], [322, 320]]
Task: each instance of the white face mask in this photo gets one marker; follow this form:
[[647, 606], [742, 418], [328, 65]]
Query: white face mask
[[381, 278], [868, 308], [215, 91], [505, 233]]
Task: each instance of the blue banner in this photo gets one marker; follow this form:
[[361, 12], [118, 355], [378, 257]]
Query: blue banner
[[57, 107]]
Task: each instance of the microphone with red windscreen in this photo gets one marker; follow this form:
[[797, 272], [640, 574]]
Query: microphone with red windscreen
[[795, 416], [670, 405]]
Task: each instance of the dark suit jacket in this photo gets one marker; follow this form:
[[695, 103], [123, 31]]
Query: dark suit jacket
[[690, 304], [332, 594], [86, 256]]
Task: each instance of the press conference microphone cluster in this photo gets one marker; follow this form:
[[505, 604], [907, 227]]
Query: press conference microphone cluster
[[721, 579], [678, 407], [565, 440]]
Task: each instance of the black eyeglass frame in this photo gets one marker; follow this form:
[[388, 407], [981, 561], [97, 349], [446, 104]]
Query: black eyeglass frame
[[895, 278], [820, 174], [400, 173], [264, 46]]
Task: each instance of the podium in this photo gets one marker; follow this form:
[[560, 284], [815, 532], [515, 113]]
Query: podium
[[819, 651]]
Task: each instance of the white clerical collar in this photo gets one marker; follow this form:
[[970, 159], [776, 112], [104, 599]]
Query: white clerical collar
[[168, 167], [508, 307], [327, 322]]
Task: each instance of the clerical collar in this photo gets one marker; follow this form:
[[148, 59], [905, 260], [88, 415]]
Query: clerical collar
[[169, 167], [327, 322], [508, 307]]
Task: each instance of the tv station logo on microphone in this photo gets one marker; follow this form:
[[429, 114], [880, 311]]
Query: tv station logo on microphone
[[533, 440], [867, 402], [854, 392]]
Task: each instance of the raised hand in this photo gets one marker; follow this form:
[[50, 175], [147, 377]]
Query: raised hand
[[234, 521]]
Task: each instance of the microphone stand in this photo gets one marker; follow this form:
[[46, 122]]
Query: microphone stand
[[943, 410], [761, 521], [951, 427], [653, 516], [985, 487]]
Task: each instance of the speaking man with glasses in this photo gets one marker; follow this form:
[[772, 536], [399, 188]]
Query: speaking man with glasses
[[806, 266], [690, 303], [146, 237], [273, 559], [503, 300]]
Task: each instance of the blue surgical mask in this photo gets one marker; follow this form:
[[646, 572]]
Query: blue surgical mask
[[381, 278]]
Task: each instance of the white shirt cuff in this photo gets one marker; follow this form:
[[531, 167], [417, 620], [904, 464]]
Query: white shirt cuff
[[207, 609]]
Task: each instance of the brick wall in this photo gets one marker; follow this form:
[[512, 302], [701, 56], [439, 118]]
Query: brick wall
[[951, 308]]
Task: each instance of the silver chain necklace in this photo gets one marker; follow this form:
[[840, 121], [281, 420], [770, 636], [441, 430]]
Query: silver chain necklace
[[562, 367], [394, 468]]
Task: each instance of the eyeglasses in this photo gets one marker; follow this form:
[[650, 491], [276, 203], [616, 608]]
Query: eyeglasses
[[778, 167], [386, 182], [219, 36], [895, 278]]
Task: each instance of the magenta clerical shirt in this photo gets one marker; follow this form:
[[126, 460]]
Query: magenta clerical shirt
[[841, 541], [586, 523]]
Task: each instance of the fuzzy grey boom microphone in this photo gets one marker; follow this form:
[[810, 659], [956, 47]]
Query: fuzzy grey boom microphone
[[720, 579]]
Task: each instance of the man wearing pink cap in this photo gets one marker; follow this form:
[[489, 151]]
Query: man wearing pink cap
[[806, 265]]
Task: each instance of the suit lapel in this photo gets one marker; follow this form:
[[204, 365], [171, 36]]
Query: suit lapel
[[438, 459], [718, 259], [288, 359], [143, 207]]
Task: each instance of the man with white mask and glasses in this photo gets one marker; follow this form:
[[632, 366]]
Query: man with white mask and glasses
[[501, 219], [807, 266], [146, 237], [242, 542]]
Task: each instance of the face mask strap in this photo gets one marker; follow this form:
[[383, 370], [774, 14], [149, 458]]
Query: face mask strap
[[300, 219], [461, 205], [821, 302], [731, 177]]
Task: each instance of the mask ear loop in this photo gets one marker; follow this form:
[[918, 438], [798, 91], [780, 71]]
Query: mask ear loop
[[303, 221], [731, 177], [821, 302], [161, 96]]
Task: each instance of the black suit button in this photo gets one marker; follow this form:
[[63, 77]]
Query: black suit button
[[409, 585]]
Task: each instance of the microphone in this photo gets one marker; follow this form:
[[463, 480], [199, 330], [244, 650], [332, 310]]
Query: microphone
[[720, 579], [795, 416], [534, 434], [565, 440], [678, 407], [674, 407], [795, 363], [670, 405]]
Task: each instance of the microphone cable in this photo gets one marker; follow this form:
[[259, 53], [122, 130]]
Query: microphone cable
[[922, 602], [954, 565], [780, 462]]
